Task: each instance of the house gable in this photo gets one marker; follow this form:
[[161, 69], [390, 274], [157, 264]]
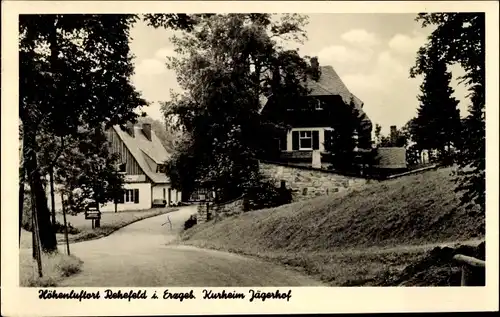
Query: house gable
[[132, 167], [144, 154], [329, 90]]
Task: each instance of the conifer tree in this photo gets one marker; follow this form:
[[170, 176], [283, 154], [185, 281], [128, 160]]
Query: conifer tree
[[460, 38], [341, 142], [437, 125]]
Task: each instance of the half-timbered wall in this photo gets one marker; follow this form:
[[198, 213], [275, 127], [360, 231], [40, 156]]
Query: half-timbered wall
[[117, 146]]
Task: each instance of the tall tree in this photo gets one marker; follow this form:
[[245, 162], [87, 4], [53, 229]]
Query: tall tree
[[342, 141], [437, 125], [74, 71], [226, 64], [87, 170], [460, 38]]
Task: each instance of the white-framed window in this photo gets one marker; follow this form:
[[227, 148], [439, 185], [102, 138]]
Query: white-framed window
[[132, 196], [305, 140]]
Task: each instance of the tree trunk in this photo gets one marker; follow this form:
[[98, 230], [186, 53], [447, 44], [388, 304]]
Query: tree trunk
[[47, 235], [21, 203], [22, 177], [52, 198], [36, 237], [65, 224]]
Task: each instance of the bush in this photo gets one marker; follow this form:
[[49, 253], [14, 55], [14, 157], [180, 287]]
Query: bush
[[59, 228], [27, 221], [264, 194], [412, 156], [55, 268], [190, 222], [69, 265]]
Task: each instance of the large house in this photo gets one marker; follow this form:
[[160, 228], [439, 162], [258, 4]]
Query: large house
[[142, 160], [310, 119]]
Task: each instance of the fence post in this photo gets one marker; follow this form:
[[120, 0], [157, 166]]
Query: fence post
[[465, 275], [469, 266]]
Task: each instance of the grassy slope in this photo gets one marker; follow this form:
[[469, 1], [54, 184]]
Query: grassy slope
[[341, 237]]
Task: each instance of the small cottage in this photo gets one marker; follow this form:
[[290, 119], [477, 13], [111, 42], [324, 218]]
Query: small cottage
[[142, 161], [313, 117]]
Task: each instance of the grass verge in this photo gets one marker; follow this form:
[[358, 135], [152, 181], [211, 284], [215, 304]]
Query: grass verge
[[110, 222], [55, 267], [352, 238]]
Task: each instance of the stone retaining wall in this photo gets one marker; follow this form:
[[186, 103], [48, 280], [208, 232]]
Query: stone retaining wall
[[309, 183], [201, 217], [218, 212], [229, 209]]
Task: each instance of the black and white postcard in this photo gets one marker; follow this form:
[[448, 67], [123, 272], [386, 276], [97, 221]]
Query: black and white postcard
[[249, 157]]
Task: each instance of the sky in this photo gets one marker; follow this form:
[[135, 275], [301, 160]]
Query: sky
[[372, 53]]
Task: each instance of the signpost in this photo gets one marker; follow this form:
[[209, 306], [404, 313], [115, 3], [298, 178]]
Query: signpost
[[92, 212]]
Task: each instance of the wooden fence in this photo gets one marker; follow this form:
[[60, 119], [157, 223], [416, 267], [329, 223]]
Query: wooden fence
[[473, 270]]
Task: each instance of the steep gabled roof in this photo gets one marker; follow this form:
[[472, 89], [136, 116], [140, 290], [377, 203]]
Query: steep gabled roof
[[145, 152], [329, 83]]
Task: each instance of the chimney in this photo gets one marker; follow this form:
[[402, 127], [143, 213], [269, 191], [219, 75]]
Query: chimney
[[315, 70], [146, 129], [393, 135], [130, 129]]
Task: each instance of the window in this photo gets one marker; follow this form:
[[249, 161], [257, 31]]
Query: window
[[305, 140], [122, 168], [132, 196], [161, 168]]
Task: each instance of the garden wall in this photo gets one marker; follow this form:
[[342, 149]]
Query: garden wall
[[218, 212], [308, 183]]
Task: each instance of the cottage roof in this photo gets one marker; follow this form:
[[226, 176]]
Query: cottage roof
[[329, 83], [391, 157], [146, 153]]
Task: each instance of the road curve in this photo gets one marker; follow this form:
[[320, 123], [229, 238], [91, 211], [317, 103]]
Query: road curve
[[143, 255]]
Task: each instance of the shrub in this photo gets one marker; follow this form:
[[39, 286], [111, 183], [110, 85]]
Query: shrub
[[59, 228], [264, 194], [27, 221], [69, 265], [190, 222], [55, 267], [412, 155]]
